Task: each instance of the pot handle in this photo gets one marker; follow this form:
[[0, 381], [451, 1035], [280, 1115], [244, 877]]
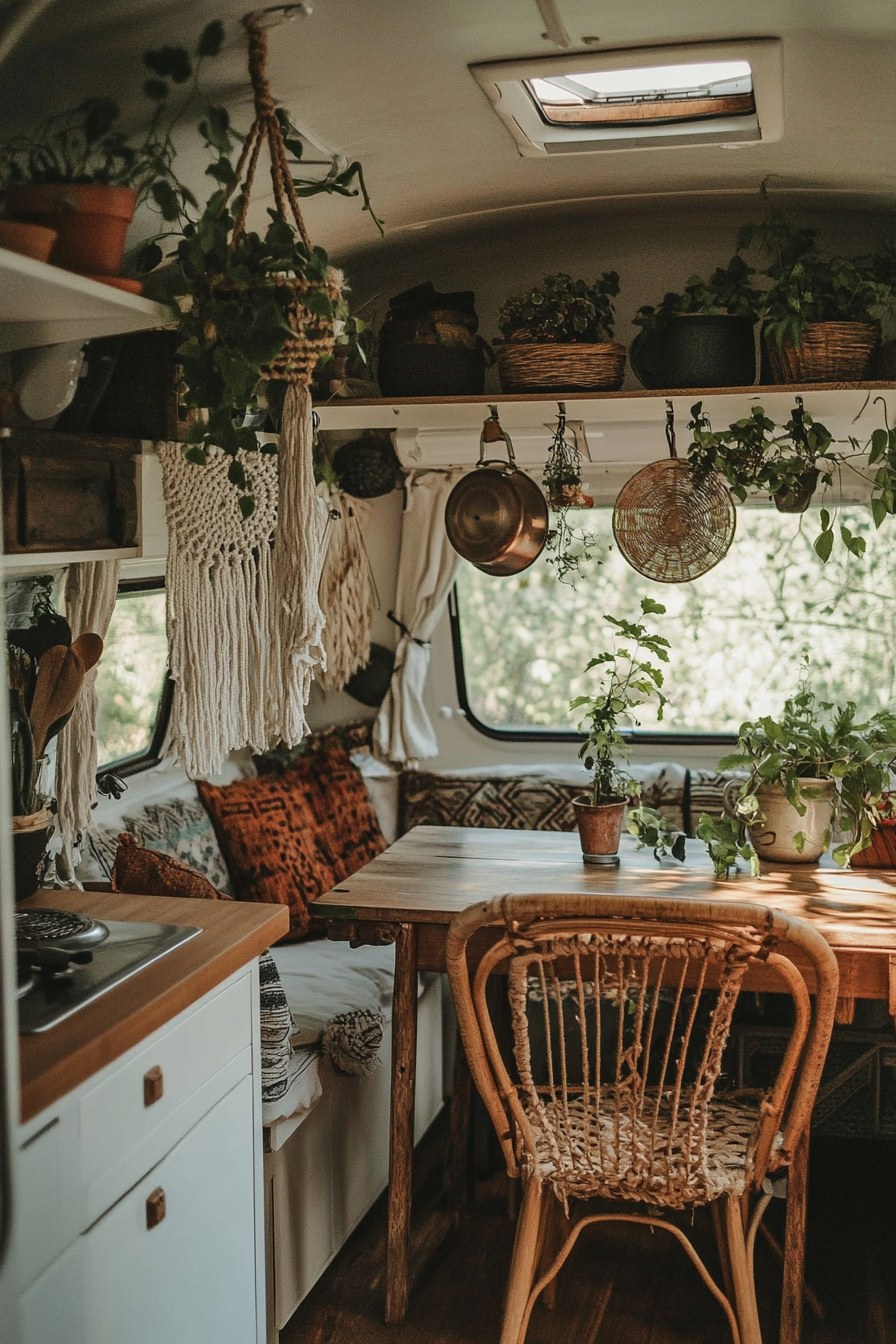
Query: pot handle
[[493, 433]]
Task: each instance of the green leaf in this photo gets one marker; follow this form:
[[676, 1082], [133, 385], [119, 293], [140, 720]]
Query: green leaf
[[156, 89], [824, 544], [878, 510], [247, 506], [211, 39], [171, 62]]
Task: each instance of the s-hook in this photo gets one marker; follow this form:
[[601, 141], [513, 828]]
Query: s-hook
[[670, 428]]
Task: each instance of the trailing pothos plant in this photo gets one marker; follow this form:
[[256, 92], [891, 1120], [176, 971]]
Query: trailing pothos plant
[[815, 739], [626, 679], [563, 310], [233, 294], [727, 291], [86, 144], [567, 546]]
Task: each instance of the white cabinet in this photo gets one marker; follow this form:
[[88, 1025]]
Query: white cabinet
[[142, 1214], [174, 1258]]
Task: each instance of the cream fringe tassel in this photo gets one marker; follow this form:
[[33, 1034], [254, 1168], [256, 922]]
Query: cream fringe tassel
[[346, 592]]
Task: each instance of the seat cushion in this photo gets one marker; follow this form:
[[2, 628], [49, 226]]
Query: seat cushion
[[144, 872]]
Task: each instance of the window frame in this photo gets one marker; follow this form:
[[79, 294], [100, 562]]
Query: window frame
[[635, 736], [125, 766]]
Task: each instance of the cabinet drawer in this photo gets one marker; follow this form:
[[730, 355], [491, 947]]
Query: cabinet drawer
[[138, 1111], [174, 1260]]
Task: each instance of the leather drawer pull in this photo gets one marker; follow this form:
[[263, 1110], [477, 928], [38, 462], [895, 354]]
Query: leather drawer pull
[[155, 1208], [153, 1086]]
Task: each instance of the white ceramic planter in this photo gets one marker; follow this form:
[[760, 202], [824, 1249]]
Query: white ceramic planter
[[775, 838]]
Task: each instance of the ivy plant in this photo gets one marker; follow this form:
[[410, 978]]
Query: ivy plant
[[562, 309], [654, 831], [87, 144], [626, 679], [726, 841], [728, 290]]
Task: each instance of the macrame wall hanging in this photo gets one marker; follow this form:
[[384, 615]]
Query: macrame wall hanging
[[245, 624], [347, 593]]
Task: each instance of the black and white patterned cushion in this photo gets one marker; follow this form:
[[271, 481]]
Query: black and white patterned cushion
[[181, 828], [277, 1026]]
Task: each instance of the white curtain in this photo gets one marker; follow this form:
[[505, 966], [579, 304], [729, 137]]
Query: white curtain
[[90, 592], [426, 571]]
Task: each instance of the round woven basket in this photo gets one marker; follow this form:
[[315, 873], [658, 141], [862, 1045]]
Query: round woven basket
[[561, 368], [670, 528], [830, 352], [314, 335]]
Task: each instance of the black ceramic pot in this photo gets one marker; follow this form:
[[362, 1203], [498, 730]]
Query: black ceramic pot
[[696, 351], [28, 851], [406, 369]]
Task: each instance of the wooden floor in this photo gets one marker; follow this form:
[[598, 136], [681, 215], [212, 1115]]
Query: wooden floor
[[624, 1284]]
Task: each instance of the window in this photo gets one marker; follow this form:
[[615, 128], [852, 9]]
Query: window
[[132, 680], [695, 93], [737, 634]]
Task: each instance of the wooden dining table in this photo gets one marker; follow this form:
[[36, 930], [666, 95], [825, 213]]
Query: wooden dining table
[[409, 894]]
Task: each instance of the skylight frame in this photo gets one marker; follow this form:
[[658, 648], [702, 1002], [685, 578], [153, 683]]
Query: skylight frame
[[505, 85]]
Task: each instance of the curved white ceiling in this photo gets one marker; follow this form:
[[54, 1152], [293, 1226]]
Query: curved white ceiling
[[387, 81]]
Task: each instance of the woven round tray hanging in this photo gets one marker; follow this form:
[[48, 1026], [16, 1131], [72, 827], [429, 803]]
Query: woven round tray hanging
[[669, 527]]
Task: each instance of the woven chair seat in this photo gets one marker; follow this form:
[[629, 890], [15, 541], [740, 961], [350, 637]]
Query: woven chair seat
[[585, 1153]]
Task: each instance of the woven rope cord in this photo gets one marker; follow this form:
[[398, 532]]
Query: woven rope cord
[[670, 528]]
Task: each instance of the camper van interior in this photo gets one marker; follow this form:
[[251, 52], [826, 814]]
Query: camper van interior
[[448, 862]]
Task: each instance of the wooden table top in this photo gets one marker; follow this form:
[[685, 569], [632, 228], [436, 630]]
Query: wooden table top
[[431, 873], [53, 1062]]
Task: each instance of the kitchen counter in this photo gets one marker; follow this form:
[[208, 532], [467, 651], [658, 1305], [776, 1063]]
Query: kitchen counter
[[54, 1062]]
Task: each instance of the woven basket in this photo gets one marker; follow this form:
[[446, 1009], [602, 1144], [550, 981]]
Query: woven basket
[[561, 368], [830, 352], [314, 335]]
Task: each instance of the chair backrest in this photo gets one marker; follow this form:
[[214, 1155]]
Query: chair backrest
[[621, 1008]]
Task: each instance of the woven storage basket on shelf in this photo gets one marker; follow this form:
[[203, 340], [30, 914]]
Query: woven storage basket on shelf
[[830, 352], [561, 368]]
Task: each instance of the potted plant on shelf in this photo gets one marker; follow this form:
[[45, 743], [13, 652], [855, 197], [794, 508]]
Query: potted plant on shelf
[[703, 337], [82, 176], [821, 315], [559, 337], [626, 679], [812, 769]]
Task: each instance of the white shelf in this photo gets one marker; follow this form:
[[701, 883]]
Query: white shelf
[[45, 305], [27, 562]]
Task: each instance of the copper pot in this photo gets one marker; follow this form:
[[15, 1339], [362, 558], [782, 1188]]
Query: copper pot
[[497, 517]]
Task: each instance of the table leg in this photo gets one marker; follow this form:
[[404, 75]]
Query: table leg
[[401, 1121], [795, 1244]]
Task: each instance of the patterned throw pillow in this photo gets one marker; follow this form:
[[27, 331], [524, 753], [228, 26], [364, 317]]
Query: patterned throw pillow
[[346, 814], [515, 803], [183, 829], [277, 1026], [269, 834], [144, 872]]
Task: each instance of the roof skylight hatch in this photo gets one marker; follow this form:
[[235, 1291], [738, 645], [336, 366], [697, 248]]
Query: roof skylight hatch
[[722, 93]]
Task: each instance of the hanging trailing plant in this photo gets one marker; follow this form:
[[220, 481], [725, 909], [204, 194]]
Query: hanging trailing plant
[[567, 546], [252, 306]]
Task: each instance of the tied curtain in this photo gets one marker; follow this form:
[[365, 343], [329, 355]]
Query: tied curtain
[[427, 568], [90, 592]]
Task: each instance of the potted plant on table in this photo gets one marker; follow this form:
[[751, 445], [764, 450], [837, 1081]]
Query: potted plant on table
[[703, 337], [82, 176], [812, 769], [558, 337], [821, 315], [627, 678]]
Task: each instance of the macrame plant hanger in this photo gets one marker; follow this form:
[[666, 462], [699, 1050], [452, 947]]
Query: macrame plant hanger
[[298, 547]]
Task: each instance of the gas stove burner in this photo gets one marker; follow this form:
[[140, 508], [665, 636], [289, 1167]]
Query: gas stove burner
[[58, 926]]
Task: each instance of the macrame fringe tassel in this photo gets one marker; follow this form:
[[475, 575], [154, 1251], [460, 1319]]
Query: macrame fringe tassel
[[297, 620], [346, 593]]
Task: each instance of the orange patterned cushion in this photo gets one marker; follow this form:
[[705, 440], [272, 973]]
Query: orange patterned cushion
[[271, 838], [145, 872], [353, 832]]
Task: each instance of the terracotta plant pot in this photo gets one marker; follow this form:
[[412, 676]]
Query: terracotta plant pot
[[91, 221], [29, 240], [600, 829], [774, 839], [882, 851]]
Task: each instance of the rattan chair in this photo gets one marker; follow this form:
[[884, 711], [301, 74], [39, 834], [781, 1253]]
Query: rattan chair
[[620, 1010]]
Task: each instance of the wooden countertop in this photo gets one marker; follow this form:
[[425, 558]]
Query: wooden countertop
[[233, 934]]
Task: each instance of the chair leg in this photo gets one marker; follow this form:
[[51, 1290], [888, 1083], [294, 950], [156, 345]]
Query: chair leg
[[744, 1292], [556, 1230], [718, 1223], [522, 1266]]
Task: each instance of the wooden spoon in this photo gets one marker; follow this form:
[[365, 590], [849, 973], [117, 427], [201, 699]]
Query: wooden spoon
[[62, 685]]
